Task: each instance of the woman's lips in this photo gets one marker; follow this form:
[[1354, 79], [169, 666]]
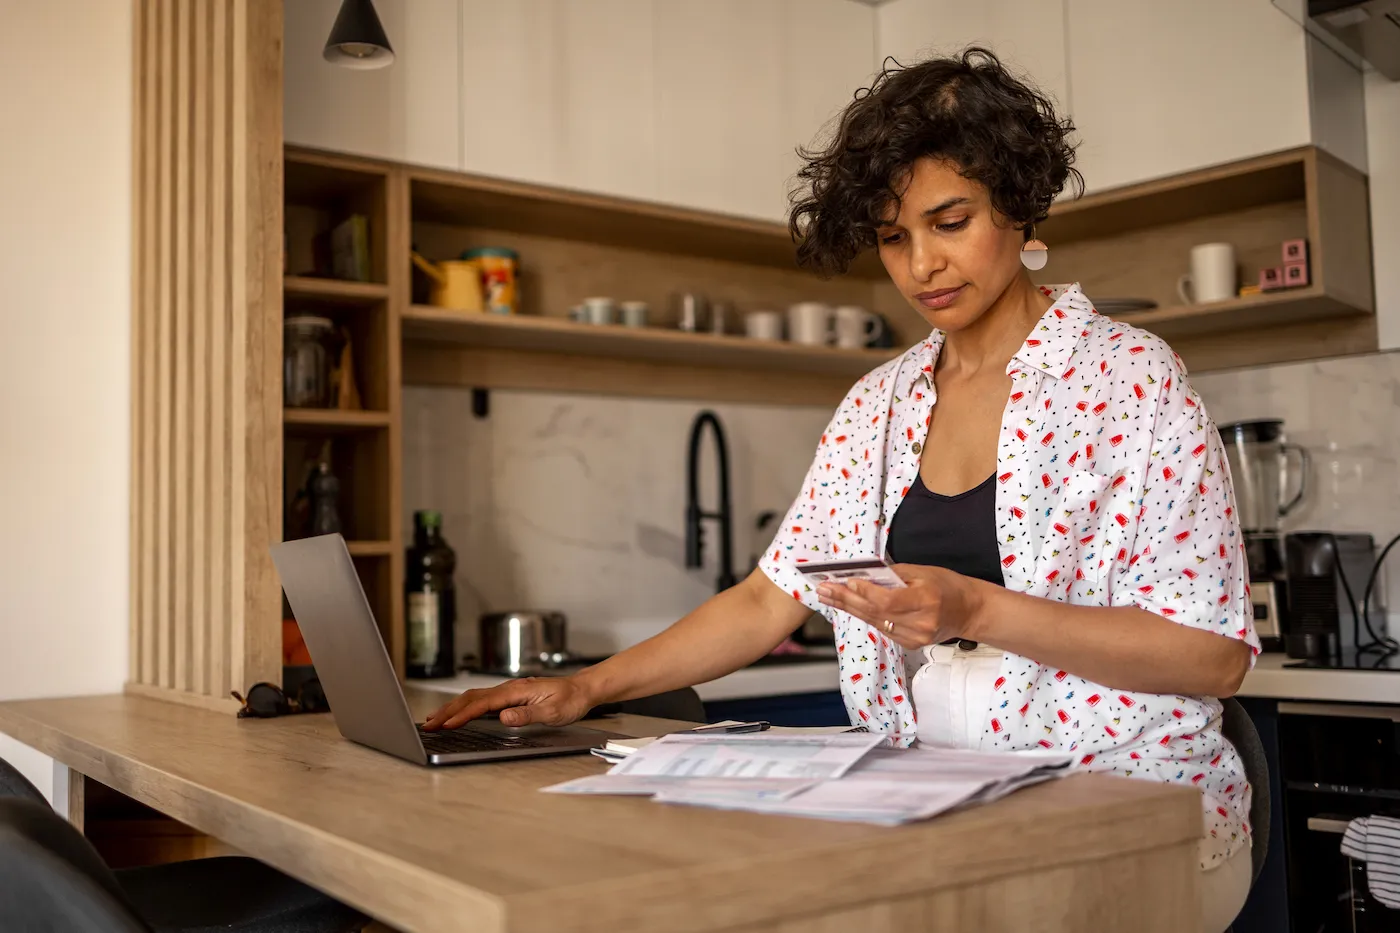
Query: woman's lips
[[939, 297]]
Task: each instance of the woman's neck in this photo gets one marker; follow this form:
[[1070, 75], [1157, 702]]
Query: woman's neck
[[992, 339]]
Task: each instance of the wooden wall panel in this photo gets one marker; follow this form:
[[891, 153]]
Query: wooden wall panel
[[206, 346]]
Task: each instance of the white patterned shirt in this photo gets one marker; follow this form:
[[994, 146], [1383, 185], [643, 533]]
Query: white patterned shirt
[[1112, 490]]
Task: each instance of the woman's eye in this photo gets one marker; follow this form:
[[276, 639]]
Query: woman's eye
[[954, 226], [890, 238]]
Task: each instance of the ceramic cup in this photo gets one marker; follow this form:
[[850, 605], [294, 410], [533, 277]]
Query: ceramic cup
[[857, 327], [1212, 275], [634, 313], [810, 322], [599, 310], [764, 325]]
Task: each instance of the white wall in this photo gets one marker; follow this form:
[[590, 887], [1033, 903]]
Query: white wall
[[65, 187]]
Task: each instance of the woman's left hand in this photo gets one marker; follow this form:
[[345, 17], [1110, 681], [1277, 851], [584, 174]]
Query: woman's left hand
[[934, 605]]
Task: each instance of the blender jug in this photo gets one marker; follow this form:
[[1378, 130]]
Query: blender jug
[[1261, 466]]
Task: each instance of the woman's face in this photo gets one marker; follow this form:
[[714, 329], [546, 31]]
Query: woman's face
[[947, 251]]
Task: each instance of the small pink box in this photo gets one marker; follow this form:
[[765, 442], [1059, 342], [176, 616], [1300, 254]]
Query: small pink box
[[1270, 279], [1295, 273], [1295, 251]]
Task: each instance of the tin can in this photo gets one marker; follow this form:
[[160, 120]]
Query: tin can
[[499, 277]]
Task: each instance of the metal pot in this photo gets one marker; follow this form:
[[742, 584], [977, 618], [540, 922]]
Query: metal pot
[[523, 642]]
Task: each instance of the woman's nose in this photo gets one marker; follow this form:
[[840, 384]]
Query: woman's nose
[[925, 259]]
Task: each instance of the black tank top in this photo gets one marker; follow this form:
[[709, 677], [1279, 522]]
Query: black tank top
[[957, 532]]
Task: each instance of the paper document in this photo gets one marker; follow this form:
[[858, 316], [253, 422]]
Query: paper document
[[843, 776], [892, 786], [618, 749], [735, 790], [756, 755]]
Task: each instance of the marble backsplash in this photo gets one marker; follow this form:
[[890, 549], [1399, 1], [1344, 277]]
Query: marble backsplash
[[577, 502], [1346, 412]]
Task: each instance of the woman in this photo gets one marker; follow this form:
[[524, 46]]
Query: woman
[[1053, 490]]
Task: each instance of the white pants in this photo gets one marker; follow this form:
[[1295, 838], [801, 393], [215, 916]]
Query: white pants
[[952, 695]]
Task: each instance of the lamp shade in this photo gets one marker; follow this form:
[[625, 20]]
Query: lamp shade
[[357, 39]]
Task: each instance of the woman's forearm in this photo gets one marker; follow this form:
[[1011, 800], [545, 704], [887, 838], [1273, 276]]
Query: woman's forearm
[[728, 631], [1123, 647]]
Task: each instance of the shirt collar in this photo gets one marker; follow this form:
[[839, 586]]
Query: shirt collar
[[1057, 334], [1051, 343]]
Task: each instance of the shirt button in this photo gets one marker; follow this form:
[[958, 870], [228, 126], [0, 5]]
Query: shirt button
[[918, 448]]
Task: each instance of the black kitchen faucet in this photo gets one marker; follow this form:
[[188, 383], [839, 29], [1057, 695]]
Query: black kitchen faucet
[[694, 549]]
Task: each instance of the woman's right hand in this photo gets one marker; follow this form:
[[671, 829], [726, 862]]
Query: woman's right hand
[[549, 701]]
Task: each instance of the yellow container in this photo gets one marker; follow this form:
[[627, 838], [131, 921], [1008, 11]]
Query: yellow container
[[456, 283], [499, 278]]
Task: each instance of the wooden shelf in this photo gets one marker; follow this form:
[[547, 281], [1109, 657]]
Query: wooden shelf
[[649, 344], [332, 420], [1269, 309], [1222, 189], [309, 289], [370, 548]]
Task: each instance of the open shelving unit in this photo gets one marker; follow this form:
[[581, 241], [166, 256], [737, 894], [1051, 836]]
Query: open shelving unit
[[1134, 242], [321, 189]]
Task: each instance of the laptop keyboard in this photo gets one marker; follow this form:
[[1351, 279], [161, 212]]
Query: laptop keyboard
[[470, 740]]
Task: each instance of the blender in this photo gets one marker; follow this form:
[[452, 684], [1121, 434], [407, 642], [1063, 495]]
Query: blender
[[1262, 466]]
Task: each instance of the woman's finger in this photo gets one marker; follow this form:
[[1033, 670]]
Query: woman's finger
[[841, 596], [908, 631]]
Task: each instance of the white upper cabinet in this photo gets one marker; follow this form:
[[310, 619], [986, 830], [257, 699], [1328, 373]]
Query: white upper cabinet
[[741, 84], [719, 105], [1163, 88], [827, 55], [1027, 35], [408, 112], [560, 92], [699, 104]]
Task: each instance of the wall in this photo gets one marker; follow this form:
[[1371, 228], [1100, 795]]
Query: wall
[[65, 182], [577, 502], [1345, 412]]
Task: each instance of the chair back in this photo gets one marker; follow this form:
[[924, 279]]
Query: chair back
[[52, 879], [1239, 729], [14, 784]]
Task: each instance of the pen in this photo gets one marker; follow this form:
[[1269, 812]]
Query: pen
[[734, 728]]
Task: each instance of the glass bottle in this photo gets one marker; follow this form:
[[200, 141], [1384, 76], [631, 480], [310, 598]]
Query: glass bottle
[[431, 600]]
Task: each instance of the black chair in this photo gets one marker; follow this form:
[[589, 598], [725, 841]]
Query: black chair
[[53, 880], [683, 704], [1239, 729]]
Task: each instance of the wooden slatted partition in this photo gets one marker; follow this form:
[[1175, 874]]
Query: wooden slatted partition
[[206, 347]]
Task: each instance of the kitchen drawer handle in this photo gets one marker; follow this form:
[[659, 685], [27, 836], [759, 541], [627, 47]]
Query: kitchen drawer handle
[[1327, 824]]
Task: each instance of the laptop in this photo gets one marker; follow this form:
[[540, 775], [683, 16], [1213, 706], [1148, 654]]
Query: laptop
[[359, 680]]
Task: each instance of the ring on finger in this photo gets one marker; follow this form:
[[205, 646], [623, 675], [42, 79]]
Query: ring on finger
[[889, 627]]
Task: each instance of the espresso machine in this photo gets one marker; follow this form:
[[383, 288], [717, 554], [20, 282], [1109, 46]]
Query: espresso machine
[[1303, 584]]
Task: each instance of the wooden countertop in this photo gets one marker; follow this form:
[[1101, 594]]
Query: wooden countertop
[[478, 848]]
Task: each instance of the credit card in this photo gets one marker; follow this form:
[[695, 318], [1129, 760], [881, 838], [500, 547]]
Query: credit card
[[871, 569]]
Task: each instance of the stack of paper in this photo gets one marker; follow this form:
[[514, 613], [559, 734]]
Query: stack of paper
[[836, 777], [618, 749]]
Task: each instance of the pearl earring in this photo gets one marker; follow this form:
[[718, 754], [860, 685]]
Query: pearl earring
[[1034, 254]]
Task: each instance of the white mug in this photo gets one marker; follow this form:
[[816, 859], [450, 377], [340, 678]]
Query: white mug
[[810, 322], [857, 327], [599, 310], [1212, 275], [764, 325], [634, 313]]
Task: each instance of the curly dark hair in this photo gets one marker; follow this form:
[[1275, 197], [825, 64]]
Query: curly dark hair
[[968, 109]]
